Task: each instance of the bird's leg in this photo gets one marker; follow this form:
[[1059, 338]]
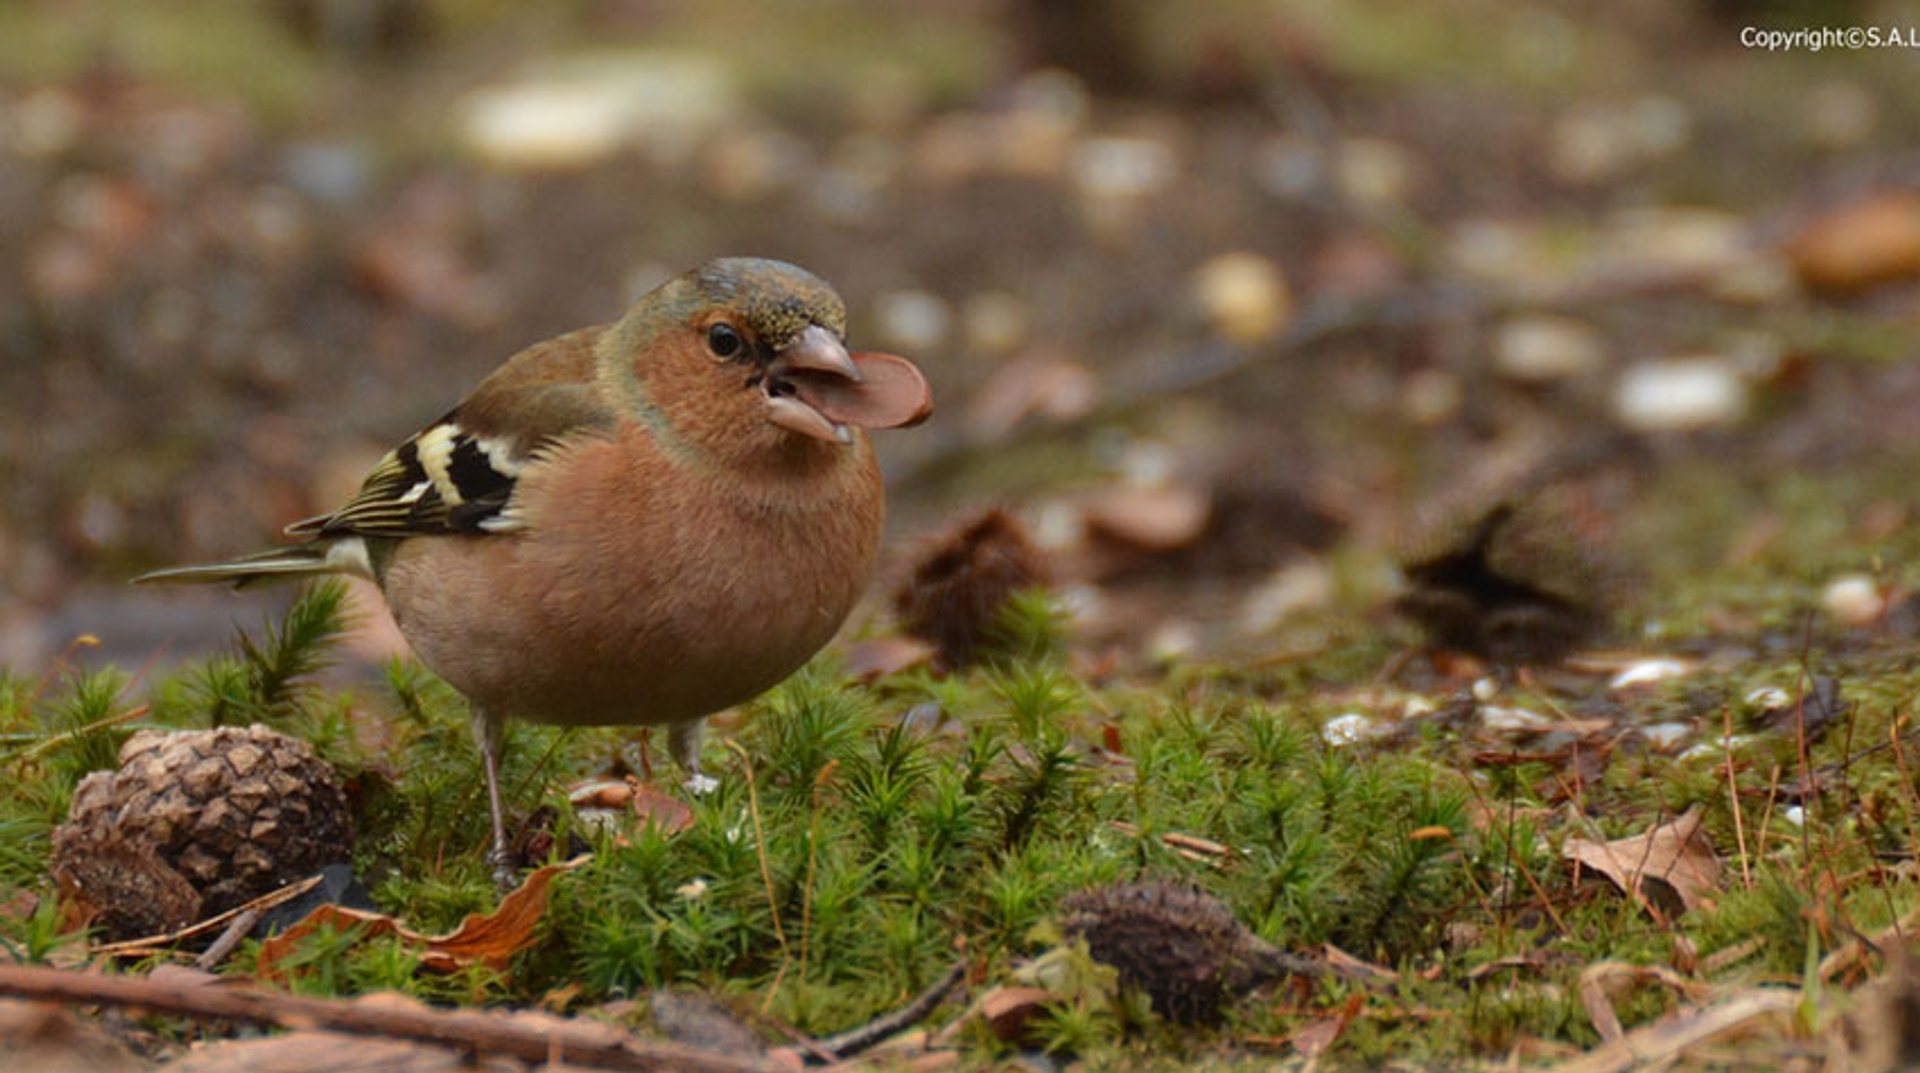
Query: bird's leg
[[683, 741], [488, 733]]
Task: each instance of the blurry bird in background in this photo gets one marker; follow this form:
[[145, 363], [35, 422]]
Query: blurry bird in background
[[639, 523]]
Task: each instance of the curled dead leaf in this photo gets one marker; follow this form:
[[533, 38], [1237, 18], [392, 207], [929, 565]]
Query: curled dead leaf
[[601, 793], [880, 657], [1599, 982], [489, 939], [1676, 855], [1009, 1010], [1050, 389], [1863, 243], [664, 810], [1313, 1040], [1153, 519]]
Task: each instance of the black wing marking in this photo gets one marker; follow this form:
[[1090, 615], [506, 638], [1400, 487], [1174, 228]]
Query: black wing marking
[[443, 480]]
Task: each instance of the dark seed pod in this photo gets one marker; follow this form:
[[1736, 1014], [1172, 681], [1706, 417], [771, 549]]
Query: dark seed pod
[[959, 588], [1182, 947]]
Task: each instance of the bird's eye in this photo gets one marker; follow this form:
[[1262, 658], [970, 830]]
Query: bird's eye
[[724, 340]]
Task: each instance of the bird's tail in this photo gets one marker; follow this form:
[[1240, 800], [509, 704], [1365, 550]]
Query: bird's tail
[[275, 564]]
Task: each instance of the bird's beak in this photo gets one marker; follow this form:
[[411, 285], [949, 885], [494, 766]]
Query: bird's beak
[[815, 387], [817, 350]]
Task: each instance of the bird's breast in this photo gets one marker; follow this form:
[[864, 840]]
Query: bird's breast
[[641, 591]]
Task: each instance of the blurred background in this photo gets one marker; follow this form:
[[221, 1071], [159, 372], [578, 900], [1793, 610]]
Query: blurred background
[[1232, 305]]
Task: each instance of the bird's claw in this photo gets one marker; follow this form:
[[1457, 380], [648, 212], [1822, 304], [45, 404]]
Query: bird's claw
[[505, 876]]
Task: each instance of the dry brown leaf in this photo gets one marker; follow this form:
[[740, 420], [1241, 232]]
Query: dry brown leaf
[[662, 809], [1861, 244], [19, 905], [1676, 854], [331, 1052], [1651, 1045], [47, 1036], [1599, 980], [1880, 1030], [1721, 960], [600, 793], [1055, 390], [1313, 1040], [490, 938], [1686, 955], [1530, 961], [1153, 519], [1009, 1009], [1353, 968], [329, 915], [879, 657]]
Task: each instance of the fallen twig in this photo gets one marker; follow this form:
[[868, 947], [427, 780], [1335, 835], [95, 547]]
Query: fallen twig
[[1653, 1044], [853, 1041], [151, 944], [575, 1043], [241, 927]]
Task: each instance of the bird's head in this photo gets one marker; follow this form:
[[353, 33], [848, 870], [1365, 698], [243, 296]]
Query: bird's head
[[753, 352]]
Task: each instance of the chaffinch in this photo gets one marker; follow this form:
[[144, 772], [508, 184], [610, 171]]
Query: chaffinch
[[637, 523]]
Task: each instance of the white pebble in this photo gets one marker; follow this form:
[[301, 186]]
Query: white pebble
[[1664, 736], [1349, 729], [1494, 717], [1545, 347], [583, 112], [1244, 296], [1853, 600], [1085, 605], [1303, 585], [1375, 171], [1649, 670], [1175, 639], [1485, 689], [1768, 697], [1119, 167], [1713, 746], [995, 322], [912, 320], [1679, 394]]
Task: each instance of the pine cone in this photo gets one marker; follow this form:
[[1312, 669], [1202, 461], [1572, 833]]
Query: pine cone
[[195, 823], [1181, 946]]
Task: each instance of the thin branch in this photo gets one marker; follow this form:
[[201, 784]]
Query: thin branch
[[853, 1041], [152, 944], [580, 1044]]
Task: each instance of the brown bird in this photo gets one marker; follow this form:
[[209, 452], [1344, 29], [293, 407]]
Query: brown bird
[[637, 523]]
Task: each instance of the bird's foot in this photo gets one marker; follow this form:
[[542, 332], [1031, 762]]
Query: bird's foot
[[505, 876], [700, 785]]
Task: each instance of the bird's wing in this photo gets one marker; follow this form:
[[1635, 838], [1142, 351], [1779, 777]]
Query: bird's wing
[[457, 475]]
